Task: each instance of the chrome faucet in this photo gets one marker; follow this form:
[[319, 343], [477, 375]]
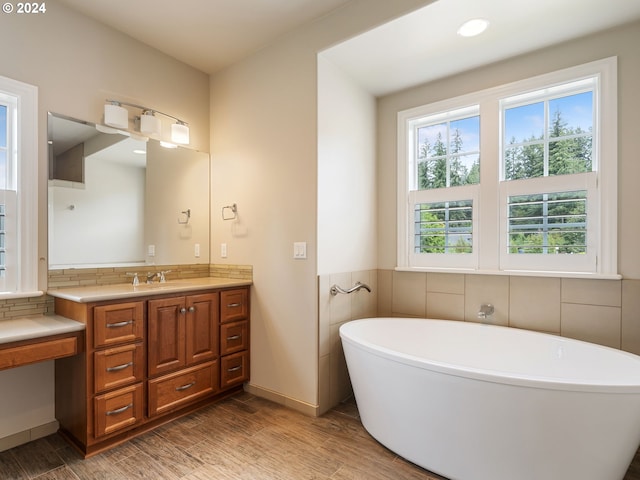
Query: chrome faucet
[[151, 276], [486, 310]]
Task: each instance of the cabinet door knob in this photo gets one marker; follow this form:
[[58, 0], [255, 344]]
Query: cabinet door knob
[[192, 309], [183, 310]]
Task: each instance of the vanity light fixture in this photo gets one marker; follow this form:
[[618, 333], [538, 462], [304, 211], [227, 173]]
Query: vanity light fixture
[[150, 124], [115, 115], [473, 27], [180, 133]]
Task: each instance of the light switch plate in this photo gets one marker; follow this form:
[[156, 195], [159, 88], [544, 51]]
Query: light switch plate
[[299, 250]]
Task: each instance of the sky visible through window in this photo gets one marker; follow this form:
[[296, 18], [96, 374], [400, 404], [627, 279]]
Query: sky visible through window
[[523, 123]]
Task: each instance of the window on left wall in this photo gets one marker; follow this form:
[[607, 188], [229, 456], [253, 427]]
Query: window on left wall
[[18, 189]]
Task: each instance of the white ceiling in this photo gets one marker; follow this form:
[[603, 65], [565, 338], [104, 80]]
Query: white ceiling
[[424, 45], [206, 34], [212, 34]]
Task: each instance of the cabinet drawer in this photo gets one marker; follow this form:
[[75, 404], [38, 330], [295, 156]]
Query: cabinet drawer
[[234, 305], [118, 323], [174, 390], [234, 337], [118, 410], [234, 369], [118, 367]]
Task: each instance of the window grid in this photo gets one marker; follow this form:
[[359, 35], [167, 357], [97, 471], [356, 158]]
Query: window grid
[[544, 223], [444, 227]]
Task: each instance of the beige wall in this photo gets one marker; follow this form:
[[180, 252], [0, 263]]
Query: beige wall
[[76, 63], [264, 158], [346, 173]]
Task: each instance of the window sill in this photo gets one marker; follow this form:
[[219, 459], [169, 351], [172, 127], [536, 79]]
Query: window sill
[[512, 273]]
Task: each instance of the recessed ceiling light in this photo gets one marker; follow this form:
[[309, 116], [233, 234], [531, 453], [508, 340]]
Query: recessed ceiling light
[[473, 27]]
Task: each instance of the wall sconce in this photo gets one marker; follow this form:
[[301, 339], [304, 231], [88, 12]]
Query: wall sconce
[[116, 116]]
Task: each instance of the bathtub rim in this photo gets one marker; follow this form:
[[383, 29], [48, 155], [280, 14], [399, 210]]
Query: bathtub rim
[[487, 375]]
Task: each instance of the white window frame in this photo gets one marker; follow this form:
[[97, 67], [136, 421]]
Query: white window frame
[[489, 213], [22, 257]]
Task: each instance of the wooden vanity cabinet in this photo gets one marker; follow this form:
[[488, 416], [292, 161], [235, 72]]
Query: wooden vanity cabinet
[[149, 360]]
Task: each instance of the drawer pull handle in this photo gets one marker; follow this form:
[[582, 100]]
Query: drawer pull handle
[[234, 337], [120, 410], [184, 387], [119, 324], [234, 369], [234, 305], [117, 368]]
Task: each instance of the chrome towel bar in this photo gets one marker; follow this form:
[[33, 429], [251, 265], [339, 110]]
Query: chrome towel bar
[[334, 290]]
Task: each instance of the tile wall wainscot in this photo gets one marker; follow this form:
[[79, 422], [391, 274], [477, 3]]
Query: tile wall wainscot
[[334, 385], [107, 276], [605, 312]]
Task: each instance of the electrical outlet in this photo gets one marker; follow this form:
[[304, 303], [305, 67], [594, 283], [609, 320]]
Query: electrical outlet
[[196, 250], [223, 250], [151, 250]]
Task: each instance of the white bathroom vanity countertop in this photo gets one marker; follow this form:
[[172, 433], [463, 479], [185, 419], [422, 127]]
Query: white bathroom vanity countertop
[[95, 293], [36, 326]]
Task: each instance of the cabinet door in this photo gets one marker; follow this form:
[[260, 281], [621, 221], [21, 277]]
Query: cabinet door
[[118, 410], [118, 323], [166, 335], [234, 369], [234, 337], [234, 305], [202, 327], [118, 366], [177, 389]]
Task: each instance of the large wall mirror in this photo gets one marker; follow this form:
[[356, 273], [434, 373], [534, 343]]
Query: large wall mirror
[[117, 200]]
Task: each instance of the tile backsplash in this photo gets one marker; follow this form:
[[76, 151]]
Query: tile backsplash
[[20, 307]]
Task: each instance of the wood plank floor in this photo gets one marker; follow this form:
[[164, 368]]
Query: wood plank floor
[[243, 437]]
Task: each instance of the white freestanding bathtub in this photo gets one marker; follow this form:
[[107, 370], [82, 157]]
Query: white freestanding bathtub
[[480, 402]]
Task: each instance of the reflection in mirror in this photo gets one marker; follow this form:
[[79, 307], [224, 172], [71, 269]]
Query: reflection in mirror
[[115, 200]]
